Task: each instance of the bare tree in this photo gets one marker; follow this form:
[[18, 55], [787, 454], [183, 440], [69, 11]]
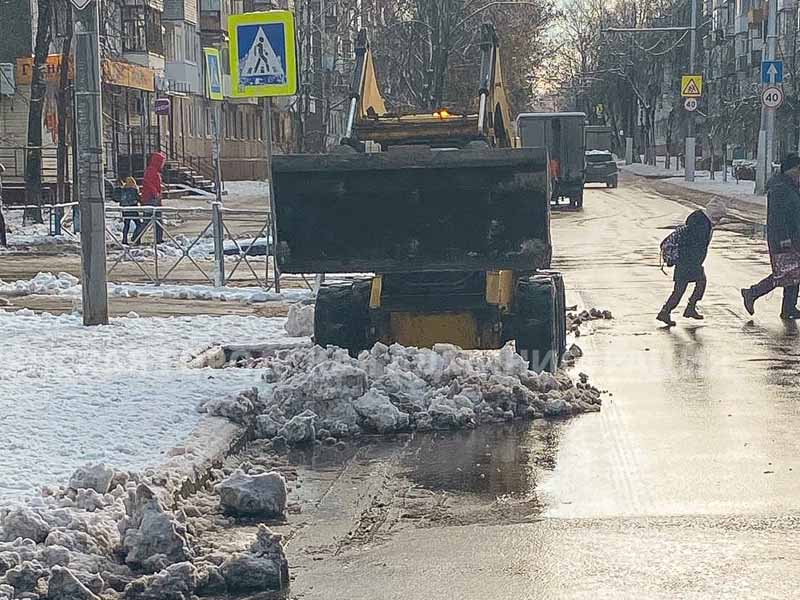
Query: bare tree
[[625, 73], [33, 165], [427, 51], [62, 102]]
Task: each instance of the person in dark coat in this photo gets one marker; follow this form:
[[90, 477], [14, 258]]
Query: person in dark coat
[[783, 240], [129, 197], [694, 240]]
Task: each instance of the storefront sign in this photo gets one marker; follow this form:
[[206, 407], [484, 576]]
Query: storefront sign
[[129, 76], [52, 68], [114, 73], [162, 106]]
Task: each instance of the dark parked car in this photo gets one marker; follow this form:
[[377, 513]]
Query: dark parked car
[[601, 168]]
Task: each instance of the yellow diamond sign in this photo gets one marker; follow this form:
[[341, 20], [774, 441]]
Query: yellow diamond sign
[[691, 86]]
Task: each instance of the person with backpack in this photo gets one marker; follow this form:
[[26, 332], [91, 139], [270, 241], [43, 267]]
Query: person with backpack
[[686, 249], [128, 198], [783, 240]]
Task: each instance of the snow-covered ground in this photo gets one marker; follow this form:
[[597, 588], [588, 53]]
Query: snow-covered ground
[[64, 284], [120, 393], [32, 234], [732, 189], [255, 190]]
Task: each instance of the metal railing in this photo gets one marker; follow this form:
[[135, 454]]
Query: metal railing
[[224, 242], [201, 165], [54, 213], [15, 160]]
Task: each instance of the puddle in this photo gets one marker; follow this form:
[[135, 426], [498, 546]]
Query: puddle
[[492, 462]]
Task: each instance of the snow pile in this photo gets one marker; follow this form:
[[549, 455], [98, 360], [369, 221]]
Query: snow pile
[[124, 542], [172, 248], [129, 381], [64, 284], [43, 284], [205, 292], [576, 319], [324, 393], [34, 234], [301, 320], [250, 190]]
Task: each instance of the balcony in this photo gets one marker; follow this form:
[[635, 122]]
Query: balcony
[[142, 38], [214, 21], [755, 16]]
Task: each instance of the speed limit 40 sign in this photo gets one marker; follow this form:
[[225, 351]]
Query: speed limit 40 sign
[[772, 97]]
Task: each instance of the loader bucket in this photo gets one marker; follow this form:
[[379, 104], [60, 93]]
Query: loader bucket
[[413, 209]]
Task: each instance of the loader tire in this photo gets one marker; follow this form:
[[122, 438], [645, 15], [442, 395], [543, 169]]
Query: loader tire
[[540, 321], [341, 316]]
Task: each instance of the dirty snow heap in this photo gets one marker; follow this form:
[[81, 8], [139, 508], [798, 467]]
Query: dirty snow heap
[[323, 393]]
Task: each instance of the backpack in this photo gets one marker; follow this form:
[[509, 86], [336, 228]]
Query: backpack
[[670, 248]]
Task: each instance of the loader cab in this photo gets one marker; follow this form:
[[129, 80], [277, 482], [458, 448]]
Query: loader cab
[[452, 220]]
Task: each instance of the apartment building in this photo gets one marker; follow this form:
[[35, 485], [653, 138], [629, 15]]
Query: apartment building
[[734, 45], [153, 82], [151, 53]]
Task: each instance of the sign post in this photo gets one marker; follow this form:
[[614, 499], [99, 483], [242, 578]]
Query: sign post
[[772, 97], [213, 88], [691, 89], [89, 143], [771, 72], [264, 64], [692, 86]]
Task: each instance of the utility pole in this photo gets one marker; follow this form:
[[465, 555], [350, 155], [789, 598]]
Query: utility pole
[[89, 141], [766, 133], [690, 136]]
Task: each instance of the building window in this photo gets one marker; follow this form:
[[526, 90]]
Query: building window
[[192, 43], [141, 30], [155, 37], [170, 51], [225, 58], [133, 32]]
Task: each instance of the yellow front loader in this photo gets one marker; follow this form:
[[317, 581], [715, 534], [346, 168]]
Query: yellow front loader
[[454, 223]]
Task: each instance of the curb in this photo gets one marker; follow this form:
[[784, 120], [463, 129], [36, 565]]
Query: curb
[[189, 465]]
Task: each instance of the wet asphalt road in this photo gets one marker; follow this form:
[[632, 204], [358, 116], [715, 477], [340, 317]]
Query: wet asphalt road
[[685, 485]]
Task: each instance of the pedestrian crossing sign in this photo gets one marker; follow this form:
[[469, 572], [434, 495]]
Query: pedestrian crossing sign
[[262, 54], [213, 74], [692, 86]]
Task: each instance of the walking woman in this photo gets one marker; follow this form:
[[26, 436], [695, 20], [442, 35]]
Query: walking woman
[[151, 198], [783, 239]]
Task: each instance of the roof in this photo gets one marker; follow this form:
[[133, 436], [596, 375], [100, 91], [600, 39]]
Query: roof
[[550, 115]]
